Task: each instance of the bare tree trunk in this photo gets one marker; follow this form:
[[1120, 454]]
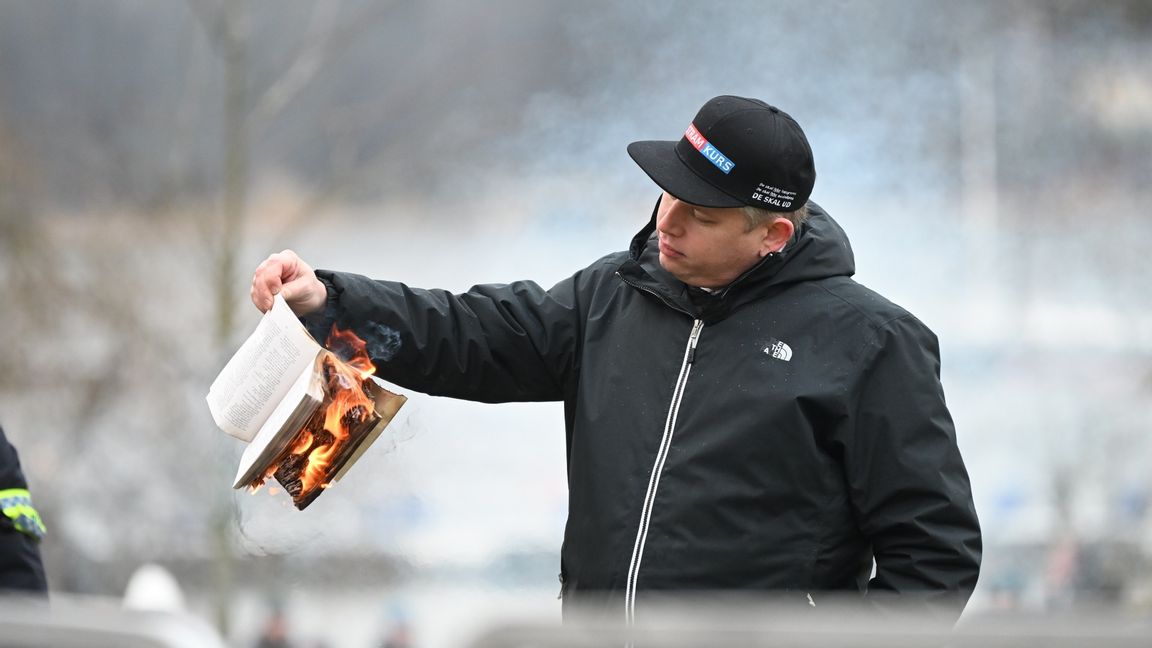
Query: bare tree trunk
[[233, 43]]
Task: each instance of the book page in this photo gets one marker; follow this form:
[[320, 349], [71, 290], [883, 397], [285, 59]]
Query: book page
[[304, 397], [261, 372]]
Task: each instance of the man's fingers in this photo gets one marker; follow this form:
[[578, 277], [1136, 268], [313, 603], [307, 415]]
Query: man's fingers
[[285, 273], [265, 285], [270, 277]]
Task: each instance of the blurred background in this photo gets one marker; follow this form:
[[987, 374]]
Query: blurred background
[[990, 160]]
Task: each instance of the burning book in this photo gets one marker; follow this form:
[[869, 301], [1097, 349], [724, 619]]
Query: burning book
[[307, 413]]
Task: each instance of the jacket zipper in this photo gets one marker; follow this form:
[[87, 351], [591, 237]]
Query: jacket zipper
[[657, 469], [655, 294]]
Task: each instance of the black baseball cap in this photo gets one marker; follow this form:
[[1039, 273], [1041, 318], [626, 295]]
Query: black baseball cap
[[736, 152]]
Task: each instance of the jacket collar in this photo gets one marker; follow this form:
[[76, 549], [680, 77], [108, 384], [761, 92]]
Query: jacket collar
[[818, 249]]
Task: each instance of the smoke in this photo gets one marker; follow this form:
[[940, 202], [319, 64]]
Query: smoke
[[383, 342]]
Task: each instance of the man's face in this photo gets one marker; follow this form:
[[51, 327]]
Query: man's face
[[707, 247]]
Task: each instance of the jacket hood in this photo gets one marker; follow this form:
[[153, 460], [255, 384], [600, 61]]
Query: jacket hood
[[818, 250]]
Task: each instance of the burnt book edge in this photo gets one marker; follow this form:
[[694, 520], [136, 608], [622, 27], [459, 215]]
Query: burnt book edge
[[291, 414], [387, 405]]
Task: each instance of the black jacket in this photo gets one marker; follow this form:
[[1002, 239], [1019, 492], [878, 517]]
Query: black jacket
[[20, 528], [774, 436]]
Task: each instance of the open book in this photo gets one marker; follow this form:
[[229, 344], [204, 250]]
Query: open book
[[306, 414]]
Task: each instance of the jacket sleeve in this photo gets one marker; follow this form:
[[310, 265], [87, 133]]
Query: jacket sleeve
[[21, 568], [493, 343], [906, 478]]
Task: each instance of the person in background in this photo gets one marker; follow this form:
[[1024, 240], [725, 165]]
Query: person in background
[[741, 415], [21, 568], [274, 634]]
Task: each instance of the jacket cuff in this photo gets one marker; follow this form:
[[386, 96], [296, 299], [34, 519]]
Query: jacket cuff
[[319, 323]]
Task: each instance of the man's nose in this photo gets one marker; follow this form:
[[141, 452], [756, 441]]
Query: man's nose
[[669, 220]]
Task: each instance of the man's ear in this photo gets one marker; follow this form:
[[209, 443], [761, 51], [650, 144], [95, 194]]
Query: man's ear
[[776, 234]]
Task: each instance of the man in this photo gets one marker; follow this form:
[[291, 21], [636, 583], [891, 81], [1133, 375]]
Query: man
[[21, 570], [740, 414]]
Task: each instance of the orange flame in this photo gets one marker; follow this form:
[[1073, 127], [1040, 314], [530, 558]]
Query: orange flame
[[346, 394], [352, 349]]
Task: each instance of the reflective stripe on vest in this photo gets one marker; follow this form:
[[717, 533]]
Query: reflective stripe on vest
[[16, 504]]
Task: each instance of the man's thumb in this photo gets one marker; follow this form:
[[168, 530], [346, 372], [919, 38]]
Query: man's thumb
[[288, 292], [304, 294]]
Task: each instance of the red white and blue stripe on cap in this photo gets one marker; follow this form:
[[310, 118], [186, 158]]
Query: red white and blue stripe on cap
[[707, 150]]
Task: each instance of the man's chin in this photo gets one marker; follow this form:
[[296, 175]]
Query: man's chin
[[672, 267]]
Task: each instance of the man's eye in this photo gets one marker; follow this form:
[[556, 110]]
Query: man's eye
[[703, 219]]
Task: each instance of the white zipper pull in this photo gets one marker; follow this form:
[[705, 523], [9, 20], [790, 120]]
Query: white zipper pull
[[696, 327]]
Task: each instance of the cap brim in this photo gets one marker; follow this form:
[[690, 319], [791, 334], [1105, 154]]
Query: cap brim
[[660, 161]]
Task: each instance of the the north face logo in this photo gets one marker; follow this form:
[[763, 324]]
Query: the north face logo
[[778, 350]]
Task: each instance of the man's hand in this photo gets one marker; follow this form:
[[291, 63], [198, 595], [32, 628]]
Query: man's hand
[[287, 274]]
